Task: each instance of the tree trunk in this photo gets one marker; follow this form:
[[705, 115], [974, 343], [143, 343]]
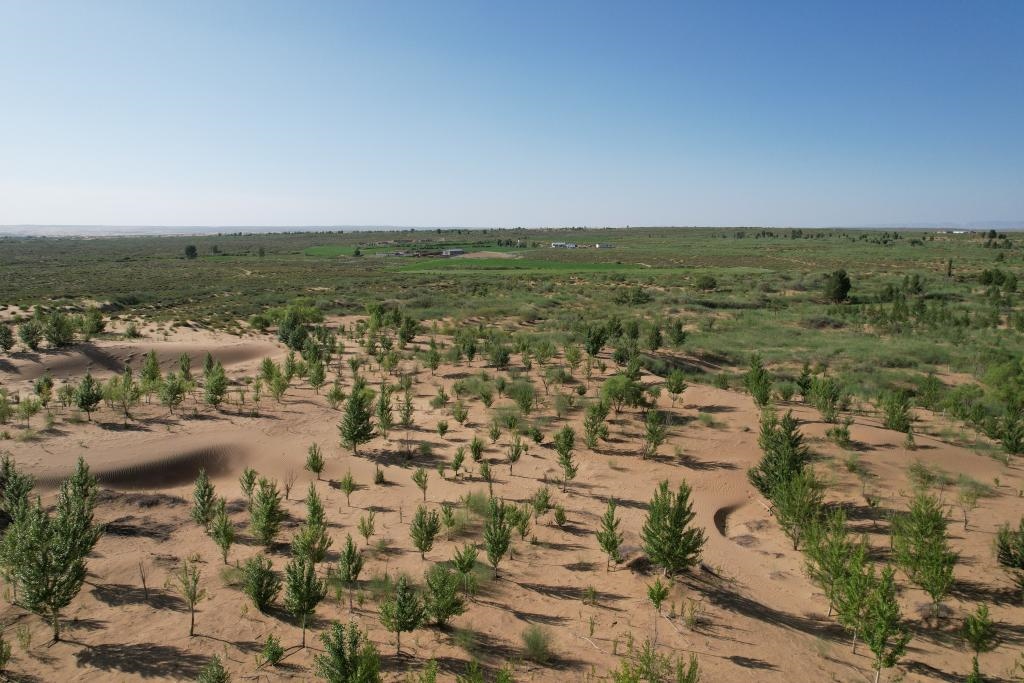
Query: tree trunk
[[398, 642], [192, 623], [55, 620], [878, 672], [854, 642]]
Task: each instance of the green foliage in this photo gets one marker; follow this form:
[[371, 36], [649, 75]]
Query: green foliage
[[608, 536], [266, 513], [420, 477], [883, 631], [203, 498], [213, 672], [896, 413], [667, 535], [798, 505], [784, 454], [222, 529], [315, 460], [497, 533], [646, 665], [402, 611], [1010, 551], [920, 547], [537, 644], [43, 553], [443, 601], [272, 652], [349, 656], [836, 286], [88, 395], [185, 581], [655, 433], [260, 582], [303, 590], [355, 427], [758, 381], [424, 528]]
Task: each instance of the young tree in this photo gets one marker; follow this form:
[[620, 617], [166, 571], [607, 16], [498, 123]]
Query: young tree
[[385, 417], [6, 338], [317, 375], [419, 477], [186, 582], [675, 384], [443, 601], [349, 656], [266, 513], [88, 395], [213, 672], [464, 562], [45, 554], [315, 460], [883, 631], [303, 590], [30, 333], [355, 427], [668, 537], [203, 498], [798, 505], [402, 611], [222, 529], [836, 286], [608, 536], [260, 582], [565, 441], [350, 564], [366, 525], [248, 483], [150, 372], [424, 529], [348, 486], [853, 590], [656, 594], [655, 434], [1010, 551], [515, 451], [476, 448], [124, 392], [758, 382], [828, 550], [594, 423], [172, 391], [311, 541], [785, 454], [216, 385], [497, 533], [920, 546], [979, 630]]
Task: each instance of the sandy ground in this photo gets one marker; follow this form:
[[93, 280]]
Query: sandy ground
[[760, 618]]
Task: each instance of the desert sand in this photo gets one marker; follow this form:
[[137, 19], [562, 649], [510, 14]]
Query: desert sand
[[760, 617]]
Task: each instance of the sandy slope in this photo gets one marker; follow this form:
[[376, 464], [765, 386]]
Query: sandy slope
[[761, 619]]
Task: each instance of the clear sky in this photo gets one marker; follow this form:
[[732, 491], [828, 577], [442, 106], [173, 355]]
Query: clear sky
[[513, 113]]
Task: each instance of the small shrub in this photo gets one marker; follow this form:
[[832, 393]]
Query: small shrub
[[536, 644]]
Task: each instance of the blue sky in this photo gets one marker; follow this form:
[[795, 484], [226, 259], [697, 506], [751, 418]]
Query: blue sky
[[505, 114]]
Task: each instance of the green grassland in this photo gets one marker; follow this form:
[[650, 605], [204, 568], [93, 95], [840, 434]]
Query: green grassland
[[767, 295]]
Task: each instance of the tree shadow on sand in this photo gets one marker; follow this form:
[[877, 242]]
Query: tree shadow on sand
[[147, 660]]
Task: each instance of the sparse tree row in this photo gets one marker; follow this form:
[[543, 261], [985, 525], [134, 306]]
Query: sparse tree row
[[862, 595]]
